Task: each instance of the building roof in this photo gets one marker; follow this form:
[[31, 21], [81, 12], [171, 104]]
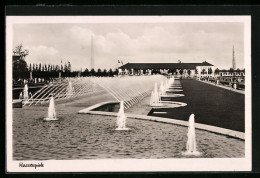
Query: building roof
[[164, 65], [235, 70]]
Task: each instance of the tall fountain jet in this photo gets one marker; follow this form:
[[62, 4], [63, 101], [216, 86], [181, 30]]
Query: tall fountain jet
[[51, 111], [162, 88], [21, 96], [171, 81], [155, 97], [25, 92], [191, 143], [121, 118]]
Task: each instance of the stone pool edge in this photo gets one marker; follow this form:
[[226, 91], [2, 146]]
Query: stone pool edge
[[205, 127]]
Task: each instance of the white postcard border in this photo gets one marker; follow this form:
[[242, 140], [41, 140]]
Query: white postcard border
[[130, 165]]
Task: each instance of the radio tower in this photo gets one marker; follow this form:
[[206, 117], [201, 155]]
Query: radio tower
[[92, 54], [233, 60]]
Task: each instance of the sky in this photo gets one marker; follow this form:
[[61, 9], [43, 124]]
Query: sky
[[132, 42]]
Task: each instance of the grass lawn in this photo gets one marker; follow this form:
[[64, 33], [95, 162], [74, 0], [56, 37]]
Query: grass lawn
[[211, 105]]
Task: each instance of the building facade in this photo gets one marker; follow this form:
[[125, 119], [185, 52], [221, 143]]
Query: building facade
[[203, 69], [231, 73]]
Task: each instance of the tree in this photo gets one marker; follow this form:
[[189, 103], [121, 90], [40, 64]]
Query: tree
[[171, 71], [181, 71], [196, 71], [231, 71], [116, 72], [110, 72], [86, 72], [20, 69], [104, 73], [203, 71], [216, 71], [19, 51], [40, 67], [209, 71], [45, 67], [30, 67], [57, 68], [69, 67], [238, 71], [189, 72], [65, 67], [92, 72], [99, 72]]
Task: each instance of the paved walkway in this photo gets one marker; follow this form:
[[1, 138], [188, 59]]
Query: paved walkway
[[211, 105], [225, 87]]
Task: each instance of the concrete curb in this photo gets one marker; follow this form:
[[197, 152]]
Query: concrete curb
[[172, 95], [87, 110], [17, 104], [170, 104], [214, 129]]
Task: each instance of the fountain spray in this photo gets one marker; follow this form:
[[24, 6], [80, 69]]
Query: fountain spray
[[121, 118], [51, 111], [191, 143], [155, 97], [25, 92]]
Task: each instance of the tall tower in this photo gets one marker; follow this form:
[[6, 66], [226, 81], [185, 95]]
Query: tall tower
[[233, 60], [92, 65]]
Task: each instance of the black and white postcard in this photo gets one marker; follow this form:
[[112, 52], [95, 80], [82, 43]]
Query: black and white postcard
[[128, 93]]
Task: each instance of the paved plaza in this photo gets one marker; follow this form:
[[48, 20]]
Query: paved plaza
[[211, 105]]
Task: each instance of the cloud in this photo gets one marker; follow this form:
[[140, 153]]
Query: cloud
[[42, 54], [189, 42]]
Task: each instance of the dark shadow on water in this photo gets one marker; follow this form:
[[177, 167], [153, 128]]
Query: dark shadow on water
[[113, 107]]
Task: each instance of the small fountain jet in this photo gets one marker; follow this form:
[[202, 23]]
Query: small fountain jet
[[171, 80], [25, 92], [51, 111], [162, 88], [155, 97], [121, 118], [191, 143], [21, 96]]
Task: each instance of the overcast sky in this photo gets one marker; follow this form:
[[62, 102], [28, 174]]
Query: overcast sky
[[132, 42]]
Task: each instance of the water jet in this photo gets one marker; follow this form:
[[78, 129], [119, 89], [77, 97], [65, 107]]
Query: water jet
[[121, 118], [191, 146], [51, 111]]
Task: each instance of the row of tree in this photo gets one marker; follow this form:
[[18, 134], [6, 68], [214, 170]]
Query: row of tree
[[50, 67], [65, 73], [99, 72], [231, 70]]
